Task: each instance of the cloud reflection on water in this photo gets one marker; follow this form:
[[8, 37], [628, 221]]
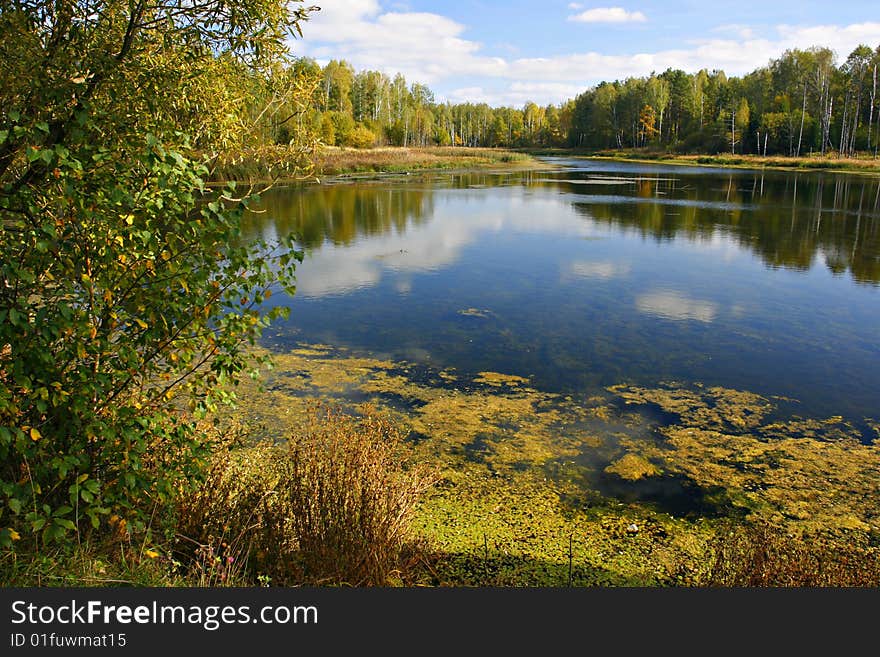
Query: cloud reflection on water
[[671, 304], [432, 245]]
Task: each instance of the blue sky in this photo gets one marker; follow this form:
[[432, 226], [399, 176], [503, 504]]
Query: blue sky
[[508, 52]]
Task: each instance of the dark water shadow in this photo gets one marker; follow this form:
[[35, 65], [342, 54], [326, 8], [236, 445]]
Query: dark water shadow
[[676, 495]]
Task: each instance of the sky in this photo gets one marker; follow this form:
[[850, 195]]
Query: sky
[[508, 52]]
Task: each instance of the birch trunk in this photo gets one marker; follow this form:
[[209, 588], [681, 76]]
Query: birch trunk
[[871, 109], [803, 111]]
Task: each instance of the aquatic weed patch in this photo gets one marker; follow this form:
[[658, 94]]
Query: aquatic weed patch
[[815, 473], [622, 488]]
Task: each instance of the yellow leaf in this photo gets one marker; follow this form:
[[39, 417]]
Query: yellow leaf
[[93, 332], [35, 434], [14, 535], [152, 554], [140, 322]]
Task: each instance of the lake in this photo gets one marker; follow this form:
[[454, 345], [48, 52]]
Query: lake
[[589, 274], [702, 340]]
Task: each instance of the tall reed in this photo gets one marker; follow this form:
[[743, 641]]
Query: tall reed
[[331, 506]]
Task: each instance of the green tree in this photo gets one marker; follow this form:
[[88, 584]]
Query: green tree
[[343, 127], [743, 115], [123, 284], [337, 85], [657, 94], [328, 131]]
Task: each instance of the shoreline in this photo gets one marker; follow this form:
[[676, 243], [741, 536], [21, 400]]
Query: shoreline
[[339, 165], [334, 164], [773, 162]]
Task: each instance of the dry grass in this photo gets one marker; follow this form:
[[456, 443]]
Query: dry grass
[[334, 161], [868, 164], [762, 555], [332, 507], [283, 163], [863, 163]]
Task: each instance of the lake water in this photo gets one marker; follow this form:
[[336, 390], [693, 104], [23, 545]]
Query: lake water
[[590, 274]]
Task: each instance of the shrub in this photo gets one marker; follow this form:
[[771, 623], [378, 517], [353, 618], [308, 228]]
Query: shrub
[[362, 137], [332, 506]]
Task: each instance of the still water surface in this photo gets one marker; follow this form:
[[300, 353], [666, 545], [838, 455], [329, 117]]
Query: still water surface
[[590, 274]]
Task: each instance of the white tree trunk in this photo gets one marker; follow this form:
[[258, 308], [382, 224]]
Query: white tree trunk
[[803, 111]]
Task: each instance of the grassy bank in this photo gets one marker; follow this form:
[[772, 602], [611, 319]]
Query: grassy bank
[[281, 163], [335, 161], [862, 164]]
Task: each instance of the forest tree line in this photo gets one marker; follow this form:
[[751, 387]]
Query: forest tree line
[[803, 102]]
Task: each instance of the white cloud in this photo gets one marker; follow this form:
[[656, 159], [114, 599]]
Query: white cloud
[[517, 93], [608, 15], [575, 5], [430, 48]]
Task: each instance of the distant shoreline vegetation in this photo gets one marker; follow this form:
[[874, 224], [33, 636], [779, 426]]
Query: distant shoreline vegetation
[[353, 164], [801, 104]]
